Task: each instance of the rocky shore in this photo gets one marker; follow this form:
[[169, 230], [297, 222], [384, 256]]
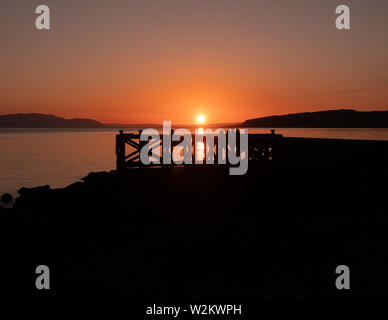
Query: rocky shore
[[198, 233]]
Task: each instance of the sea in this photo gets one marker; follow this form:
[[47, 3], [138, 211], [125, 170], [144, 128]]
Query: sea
[[59, 157]]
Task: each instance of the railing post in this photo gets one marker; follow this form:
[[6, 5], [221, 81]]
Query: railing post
[[216, 146], [172, 149], [237, 142], [141, 145], [204, 149], [193, 147], [226, 146], [120, 151]]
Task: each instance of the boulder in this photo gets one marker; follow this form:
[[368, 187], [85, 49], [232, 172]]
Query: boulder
[[6, 198]]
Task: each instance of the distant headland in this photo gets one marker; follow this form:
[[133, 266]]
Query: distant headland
[[38, 120], [345, 118]]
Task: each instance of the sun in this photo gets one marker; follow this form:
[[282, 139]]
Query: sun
[[201, 118]]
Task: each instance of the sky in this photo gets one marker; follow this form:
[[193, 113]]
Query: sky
[[145, 61]]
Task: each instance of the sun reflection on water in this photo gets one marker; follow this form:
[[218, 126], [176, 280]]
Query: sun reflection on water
[[200, 147]]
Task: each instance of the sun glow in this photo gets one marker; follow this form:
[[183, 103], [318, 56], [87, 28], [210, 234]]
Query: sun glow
[[201, 118]]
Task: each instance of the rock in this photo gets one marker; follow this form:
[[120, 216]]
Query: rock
[[91, 175], [75, 186], [33, 191], [6, 198]]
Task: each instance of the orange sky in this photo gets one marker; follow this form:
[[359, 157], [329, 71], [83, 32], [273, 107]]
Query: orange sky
[[149, 61]]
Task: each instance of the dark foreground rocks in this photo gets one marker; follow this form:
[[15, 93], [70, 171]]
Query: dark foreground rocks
[[197, 233], [6, 198]]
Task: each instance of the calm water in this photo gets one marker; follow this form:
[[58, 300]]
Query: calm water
[[58, 157]]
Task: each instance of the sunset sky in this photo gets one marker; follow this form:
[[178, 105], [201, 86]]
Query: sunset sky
[[127, 61]]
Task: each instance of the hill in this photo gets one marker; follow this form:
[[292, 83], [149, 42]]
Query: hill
[[37, 120], [323, 119]]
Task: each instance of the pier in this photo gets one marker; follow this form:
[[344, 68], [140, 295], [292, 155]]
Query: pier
[[268, 148], [128, 148]]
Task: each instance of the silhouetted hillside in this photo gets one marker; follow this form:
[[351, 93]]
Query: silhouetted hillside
[[323, 119], [37, 120]]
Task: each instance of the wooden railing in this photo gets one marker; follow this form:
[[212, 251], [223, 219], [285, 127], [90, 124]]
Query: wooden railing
[[128, 147]]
